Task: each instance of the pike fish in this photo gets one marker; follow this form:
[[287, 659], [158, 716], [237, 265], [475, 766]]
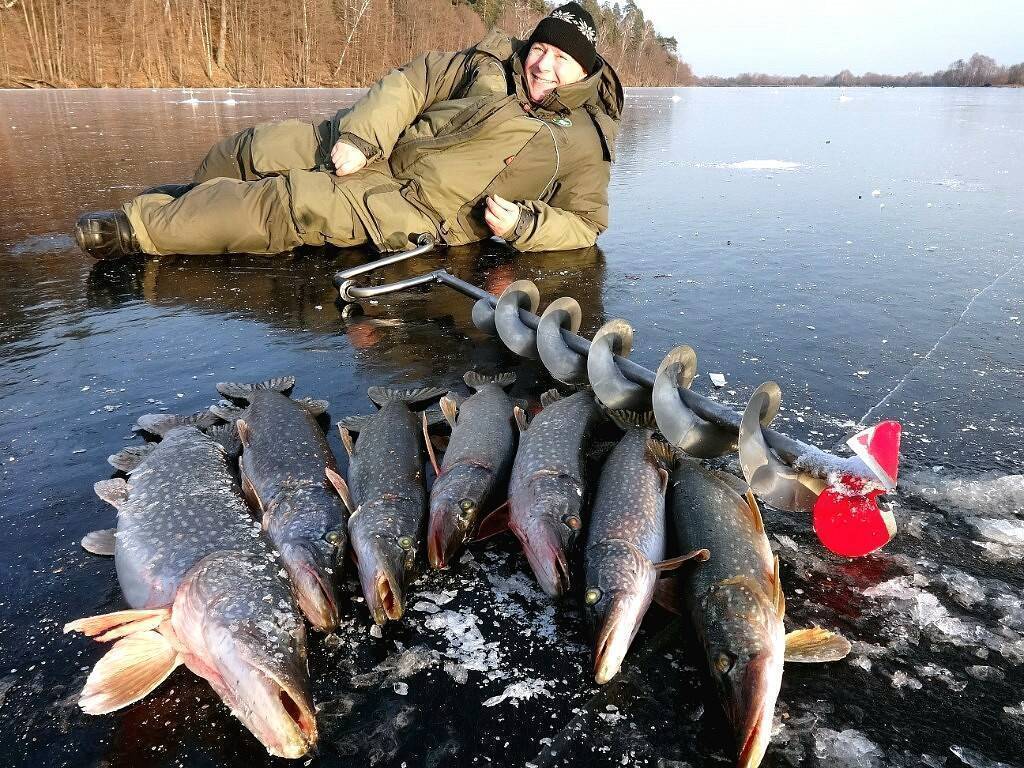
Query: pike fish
[[205, 591], [548, 483], [287, 473], [737, 605], [386, 496], [476, 463], [625, 547]]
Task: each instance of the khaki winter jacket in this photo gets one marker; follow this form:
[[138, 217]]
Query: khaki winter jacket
[[456, 127]]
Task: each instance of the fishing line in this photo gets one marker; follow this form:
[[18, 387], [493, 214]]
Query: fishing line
[[1016, 263]]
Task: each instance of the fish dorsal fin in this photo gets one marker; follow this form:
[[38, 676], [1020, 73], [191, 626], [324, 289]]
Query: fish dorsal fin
[[663, 476], [346, 440], [129, 459], [450, 409], [100, 542], [521, 420], [245, 392], [815, 645], [755, 511], [382, 395], [313, 406], [339, 484], [114, 492], [243, 433], [778, 597], [476, 380], [355, 423], [226, 411], [550, 397], [128, 672]]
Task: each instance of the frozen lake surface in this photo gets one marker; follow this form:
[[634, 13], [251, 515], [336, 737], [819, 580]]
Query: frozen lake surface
[[863, 248]]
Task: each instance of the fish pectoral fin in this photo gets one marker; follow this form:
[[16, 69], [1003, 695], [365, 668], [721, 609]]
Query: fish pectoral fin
[[815, 645], [110, 626], [430, 445], [778, 596], [128, 672], [755, 510], [663, 474], [450, 409], [521, 420], [100, 542], [700, 555], [494, 523], [666, 594], [339, 484], [243, 433], [114, 492], [129, 459], [346, 439], [249, 491]]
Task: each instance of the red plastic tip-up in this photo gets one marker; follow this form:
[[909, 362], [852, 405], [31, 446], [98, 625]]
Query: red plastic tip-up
[[847, 517]]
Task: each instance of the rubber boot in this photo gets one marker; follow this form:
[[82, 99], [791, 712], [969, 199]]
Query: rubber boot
[[174, 190], [106, 235]]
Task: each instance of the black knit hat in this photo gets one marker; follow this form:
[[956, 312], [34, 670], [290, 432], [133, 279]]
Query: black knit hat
[[570, 28]]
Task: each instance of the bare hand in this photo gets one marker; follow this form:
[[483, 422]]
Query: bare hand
[[501, 215], [346, 158]]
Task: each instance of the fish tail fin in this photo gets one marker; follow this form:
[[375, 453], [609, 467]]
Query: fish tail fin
[[132, 668], [663, 453], [100, 542], [352, 424], [227, 437], [227, 411], [313, 406], [128, 459], [114, 492], [815, 645], [382, 395], [475, 380], [110, 626], [236, 391]]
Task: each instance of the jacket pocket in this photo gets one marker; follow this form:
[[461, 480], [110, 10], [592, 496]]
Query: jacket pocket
[[393, 218], [284, 146]]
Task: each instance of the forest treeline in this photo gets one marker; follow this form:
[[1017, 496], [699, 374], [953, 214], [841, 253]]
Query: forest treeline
[[979, 70], [261, 43]]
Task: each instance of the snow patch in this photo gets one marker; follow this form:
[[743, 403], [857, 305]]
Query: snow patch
[[516, 692]]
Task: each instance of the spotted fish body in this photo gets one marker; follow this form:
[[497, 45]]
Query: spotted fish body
[[385, 476], [625, 539], [547, 487], [206, 591], [284, 462], [475, 467], [734, 599]]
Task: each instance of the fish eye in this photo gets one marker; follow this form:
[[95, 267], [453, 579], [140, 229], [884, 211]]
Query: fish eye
[[468, 507], [592, 596], [405, 542], [572, 521], [724, 663], [334, 537]]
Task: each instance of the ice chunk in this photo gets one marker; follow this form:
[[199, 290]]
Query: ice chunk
[[986, 673], [962, 587], [976, 759], [515, 692], [901, 679], [717, 379], [876, 193], [846, 749], [763, 165], [1009, 532]]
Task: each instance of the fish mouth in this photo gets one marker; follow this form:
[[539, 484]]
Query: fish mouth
[[279, 715], [755, 711], [388, 599], [442, 539], [313, 586], [617, 629], [549, 564]]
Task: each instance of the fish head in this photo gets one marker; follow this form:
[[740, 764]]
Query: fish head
[[548, 529], [619, 589], [253, 654], [456, 502], [745, 644], [385, 555]]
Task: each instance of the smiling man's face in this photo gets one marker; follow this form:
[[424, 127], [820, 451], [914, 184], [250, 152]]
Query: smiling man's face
[[547, 68]]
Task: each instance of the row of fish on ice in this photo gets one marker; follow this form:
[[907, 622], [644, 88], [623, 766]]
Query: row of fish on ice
[[214, 590]]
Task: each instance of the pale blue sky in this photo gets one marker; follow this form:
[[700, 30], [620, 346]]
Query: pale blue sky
[[726, 37]]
